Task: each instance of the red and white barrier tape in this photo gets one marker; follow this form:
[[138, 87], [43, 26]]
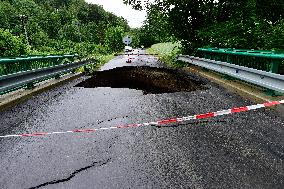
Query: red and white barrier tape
[[157, 123]]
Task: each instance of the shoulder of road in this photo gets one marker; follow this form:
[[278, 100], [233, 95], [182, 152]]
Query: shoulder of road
[[13, 98], [246, 90]]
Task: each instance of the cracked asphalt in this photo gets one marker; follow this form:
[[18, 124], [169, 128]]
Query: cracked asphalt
[[244, 150]]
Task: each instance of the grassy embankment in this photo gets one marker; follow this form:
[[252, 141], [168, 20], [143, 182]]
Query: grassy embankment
[[100, 60], [167, 53]]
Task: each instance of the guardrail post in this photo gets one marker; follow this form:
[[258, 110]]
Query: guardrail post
[[274, 65]]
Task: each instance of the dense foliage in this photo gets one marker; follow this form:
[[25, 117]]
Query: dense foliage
[[249, 24], [58, 26], [167, 53], [11, 45]]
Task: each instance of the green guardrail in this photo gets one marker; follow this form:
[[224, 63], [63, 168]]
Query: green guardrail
[[270, 61], [10, 65]]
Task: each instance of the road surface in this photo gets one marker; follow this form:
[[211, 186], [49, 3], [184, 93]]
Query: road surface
[[244, 150]]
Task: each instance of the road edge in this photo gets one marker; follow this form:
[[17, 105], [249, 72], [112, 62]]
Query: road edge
[[22, 95], [239, 87]]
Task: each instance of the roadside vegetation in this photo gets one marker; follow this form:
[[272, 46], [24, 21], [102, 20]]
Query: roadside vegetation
[[59, 27], [167, 53], [100, 61], [241, 24]]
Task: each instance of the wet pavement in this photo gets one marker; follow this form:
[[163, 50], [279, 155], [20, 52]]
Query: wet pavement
[[244, 150]]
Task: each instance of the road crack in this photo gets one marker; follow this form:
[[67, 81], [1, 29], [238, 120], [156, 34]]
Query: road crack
[[94, 164]]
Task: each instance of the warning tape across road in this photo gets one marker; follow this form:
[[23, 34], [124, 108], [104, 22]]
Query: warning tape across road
[[158, 123]]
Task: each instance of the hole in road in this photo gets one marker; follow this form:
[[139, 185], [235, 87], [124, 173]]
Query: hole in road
[[150, 80]]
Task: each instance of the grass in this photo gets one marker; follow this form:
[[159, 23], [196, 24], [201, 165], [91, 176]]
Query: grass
[[167, 53], [100, 60]]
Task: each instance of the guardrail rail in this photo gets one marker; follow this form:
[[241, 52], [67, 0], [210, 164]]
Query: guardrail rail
[[258, 77], [19, 72], [269, 61]]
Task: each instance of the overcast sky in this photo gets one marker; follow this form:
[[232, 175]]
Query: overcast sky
[[135, 18]]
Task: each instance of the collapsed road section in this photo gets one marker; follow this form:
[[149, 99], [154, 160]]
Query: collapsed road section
[[150, 80]]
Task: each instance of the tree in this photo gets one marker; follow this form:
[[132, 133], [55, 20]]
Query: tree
[[8, 16], [113, 39], [271, 10], [196, 23], [11, 45], [62, 25]]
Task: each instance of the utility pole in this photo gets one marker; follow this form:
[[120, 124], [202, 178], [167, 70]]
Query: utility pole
[[24, 20]]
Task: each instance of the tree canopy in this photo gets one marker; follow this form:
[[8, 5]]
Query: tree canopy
[[60, 26], [249, 24]]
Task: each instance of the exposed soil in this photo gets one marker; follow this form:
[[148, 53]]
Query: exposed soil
[[150, 80]]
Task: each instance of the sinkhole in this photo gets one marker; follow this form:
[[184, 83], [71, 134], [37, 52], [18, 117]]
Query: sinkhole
[[150, 80]]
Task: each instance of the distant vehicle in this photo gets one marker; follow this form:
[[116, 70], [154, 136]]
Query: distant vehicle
[[127, 49]]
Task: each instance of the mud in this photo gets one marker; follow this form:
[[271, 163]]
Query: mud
[[150, 80]]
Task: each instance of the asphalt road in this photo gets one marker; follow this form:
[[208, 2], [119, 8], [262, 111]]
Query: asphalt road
[[244, 150]]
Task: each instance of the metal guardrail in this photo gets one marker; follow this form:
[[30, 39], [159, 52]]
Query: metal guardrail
[[258, 77], [25, 78], [9, 65], [270, 61]]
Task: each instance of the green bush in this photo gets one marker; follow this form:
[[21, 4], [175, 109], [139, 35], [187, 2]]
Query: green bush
[[275, 38], [99, 60], [11, 45], [39, 39], [167, 53], [257, 34], [113, 39]]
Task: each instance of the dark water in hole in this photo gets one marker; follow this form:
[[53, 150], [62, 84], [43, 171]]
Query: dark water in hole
[[148, 79]]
